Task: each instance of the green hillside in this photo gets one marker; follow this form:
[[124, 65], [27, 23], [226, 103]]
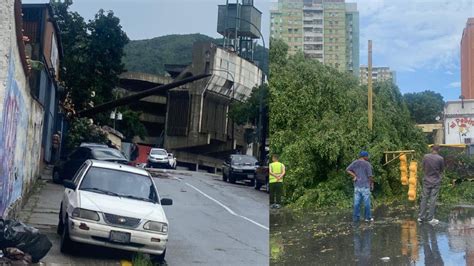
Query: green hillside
[[151, 55]]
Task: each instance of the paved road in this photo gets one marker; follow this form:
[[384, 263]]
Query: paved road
[[211, 223]]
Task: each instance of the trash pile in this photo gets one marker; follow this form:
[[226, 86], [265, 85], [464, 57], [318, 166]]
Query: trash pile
[[21, 243]]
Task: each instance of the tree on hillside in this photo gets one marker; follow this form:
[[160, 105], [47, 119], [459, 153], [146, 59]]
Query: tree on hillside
[[424, 106], [151, 55], [318, 123]]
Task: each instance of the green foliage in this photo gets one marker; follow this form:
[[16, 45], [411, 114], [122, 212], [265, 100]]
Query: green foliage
[[141, 260], [248, 111], [92, 54], [459, 193], [106, 49], [93, 62], [130, 126], [318, 123], [424, 106], [151, 55], [82, 130]]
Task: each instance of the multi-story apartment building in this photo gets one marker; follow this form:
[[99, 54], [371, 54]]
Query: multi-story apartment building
[[467, 60], [379, 74], [325, 30]]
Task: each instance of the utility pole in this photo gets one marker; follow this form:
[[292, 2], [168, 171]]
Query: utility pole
[[369, 85]]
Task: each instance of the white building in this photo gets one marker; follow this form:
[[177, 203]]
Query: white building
[[459, 122]]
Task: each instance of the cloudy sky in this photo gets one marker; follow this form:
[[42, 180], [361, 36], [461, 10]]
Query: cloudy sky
[[419, 39], [144, 19]]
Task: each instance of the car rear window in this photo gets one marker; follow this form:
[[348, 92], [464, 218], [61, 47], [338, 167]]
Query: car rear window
[[158, 152], [108, 154], [240, 160], [119, 182]]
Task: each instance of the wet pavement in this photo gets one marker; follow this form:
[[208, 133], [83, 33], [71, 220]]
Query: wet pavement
[[395, 238]]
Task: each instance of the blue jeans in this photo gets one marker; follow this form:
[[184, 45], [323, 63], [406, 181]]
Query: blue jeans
[[361, 193]]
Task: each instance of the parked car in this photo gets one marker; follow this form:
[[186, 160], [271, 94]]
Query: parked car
[[113, 205], [172, 161], [262, 175], [158, 158], [67, 168], [239, 167]]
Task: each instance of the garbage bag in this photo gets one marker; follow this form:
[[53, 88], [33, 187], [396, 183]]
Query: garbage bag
[[26, 238]]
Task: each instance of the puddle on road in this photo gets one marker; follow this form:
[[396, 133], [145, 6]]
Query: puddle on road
[[396, 238]]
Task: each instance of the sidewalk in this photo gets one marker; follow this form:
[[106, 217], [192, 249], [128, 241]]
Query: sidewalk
[[42, 208]]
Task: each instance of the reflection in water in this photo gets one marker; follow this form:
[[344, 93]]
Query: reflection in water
[[363, 245], [302, 238], [430, 246], [409, 240], [461, 232]]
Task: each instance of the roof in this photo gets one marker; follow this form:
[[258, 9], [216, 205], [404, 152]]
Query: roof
[[119, 167]]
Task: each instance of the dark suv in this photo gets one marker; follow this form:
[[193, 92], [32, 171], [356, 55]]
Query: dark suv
[[67, 169], [262, 175], [239, 167]]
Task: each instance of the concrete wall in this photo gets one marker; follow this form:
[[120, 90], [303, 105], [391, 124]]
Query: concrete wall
[[21, 118]]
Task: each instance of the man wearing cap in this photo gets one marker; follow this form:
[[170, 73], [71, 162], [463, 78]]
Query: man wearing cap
[[362, 176], [433, 166]]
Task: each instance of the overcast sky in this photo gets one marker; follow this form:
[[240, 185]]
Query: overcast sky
[[419, 39]]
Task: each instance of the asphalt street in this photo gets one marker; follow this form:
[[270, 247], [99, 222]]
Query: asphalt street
[[210, 223]]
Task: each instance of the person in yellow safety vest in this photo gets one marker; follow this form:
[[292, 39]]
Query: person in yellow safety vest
[[277, 172]]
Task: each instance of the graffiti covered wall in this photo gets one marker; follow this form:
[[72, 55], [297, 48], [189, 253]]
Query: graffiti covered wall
[[21, 117]]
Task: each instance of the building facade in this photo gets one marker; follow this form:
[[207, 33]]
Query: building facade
[[44, 46], [459, 122], [325, 30], [21, 114], [467, 60], [379, 74]]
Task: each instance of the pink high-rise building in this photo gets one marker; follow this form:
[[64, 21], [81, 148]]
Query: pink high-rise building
[[467, 60]]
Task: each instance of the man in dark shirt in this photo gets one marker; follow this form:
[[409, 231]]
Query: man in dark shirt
[[361, 172], [433, 166]]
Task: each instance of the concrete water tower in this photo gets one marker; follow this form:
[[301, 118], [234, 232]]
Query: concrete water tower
[[239, 22]]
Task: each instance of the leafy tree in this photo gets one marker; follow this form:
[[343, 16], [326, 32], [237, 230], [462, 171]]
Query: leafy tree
[[318, 123], [75, 66], [82, 130], [424, 106], [249, 110], [93, 62], [130, 126], [107, 42]]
